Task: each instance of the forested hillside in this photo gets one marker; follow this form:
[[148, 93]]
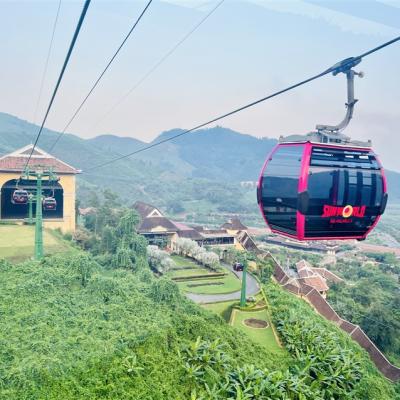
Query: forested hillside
[[200, 172], [369, 297]]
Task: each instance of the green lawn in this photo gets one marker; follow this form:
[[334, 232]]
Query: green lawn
[[263, 336], [17, 242], [181, 273], [224, 309], [230, 283], [183, 261]]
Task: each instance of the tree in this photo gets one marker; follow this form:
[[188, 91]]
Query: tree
[[127, 223], [159, 260], [380, 326], [82, 266], [123, 258], [265, 270], [108, 239], [164, 290]]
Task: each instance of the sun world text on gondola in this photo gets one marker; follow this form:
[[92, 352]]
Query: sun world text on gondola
[[345, 212]]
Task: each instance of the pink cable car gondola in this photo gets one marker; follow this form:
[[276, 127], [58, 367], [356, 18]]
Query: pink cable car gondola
[[19, 196], [49, 204], [323, 185], [317, 191]]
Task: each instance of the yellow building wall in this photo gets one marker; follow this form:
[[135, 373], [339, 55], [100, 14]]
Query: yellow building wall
[[68, 183], [238, 246]]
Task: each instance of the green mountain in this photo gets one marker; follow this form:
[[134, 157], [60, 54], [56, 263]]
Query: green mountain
[[200, 172]]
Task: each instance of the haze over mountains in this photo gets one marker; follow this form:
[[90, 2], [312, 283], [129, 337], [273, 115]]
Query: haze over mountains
[[193, 167], [244, 51]]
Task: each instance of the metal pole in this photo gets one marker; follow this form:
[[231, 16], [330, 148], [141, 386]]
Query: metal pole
[[39, 219], [243, 292], [30, 202]]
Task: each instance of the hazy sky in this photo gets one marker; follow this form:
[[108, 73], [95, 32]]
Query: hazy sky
[[244, 51]]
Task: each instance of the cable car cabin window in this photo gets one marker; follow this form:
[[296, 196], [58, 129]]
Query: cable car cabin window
[[280, 187], [328, 157], [343, 201]]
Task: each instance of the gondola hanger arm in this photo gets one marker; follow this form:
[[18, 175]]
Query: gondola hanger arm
[[346, 67]]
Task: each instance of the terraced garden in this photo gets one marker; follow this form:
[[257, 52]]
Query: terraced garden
[[194, 278]]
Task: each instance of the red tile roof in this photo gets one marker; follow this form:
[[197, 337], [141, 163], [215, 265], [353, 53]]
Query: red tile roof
[[311, 277], [317, 282], [16, 161]]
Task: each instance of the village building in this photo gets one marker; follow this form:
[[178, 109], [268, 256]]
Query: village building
[[234, 226], [64, 190], [311, 278], [316, 278], [159, 229]]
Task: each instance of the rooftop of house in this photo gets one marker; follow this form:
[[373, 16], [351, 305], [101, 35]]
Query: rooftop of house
[[152, 218], [317, 282], [147, 210], [150, 223], [16, 161], [234, 224], [310, 276]]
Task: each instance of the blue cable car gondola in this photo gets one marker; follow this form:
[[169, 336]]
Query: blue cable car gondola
[[323, 185]]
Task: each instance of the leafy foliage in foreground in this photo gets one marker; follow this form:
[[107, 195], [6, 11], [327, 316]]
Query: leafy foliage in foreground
[[71, 329], [74, 330], [326, 358], [326, 364]]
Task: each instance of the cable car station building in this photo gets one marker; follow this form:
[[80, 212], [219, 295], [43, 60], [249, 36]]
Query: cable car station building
[[64, 191]]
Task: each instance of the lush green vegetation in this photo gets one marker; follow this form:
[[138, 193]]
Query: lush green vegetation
[[99, 325], [387, 231], [369, 297], [331, 364], [17, 242], [74, 330], [223, 308]]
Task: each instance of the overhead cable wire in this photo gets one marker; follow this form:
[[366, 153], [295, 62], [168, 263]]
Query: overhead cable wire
[[339, 67], [71, 47], [101, 75], [159, 62], [47, 62]]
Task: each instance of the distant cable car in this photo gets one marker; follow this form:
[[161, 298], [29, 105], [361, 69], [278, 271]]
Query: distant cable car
[[49, 204], [323, 185], [19, 196]]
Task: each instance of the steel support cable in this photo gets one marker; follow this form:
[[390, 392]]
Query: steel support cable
[[158, 63], [339, 67], [71, 47], [101, 76], [46, 64]]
